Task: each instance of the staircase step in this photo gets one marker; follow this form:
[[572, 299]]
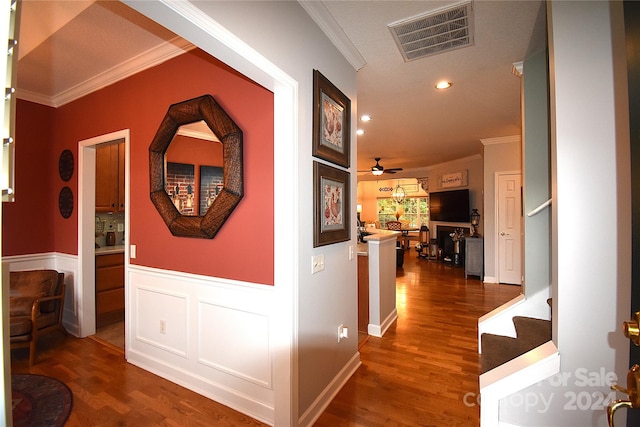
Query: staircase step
[[498, 349], [531, 331]]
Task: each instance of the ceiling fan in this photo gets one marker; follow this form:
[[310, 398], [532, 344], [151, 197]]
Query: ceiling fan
[[378, 169]]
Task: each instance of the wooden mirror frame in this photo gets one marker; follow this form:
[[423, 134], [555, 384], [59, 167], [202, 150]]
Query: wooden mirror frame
[[202, 108]]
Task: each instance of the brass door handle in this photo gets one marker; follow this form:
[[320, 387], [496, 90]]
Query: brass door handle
[[631, 328], [633, 401], [614, 406]]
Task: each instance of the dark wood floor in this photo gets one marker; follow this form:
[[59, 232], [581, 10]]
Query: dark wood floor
[[416, 375]]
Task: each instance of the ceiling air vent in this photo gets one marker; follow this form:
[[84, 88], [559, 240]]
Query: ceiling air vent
[[434, 32]]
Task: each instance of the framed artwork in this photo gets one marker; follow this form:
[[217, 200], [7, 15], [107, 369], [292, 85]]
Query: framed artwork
[[331, 116], [330, 205]]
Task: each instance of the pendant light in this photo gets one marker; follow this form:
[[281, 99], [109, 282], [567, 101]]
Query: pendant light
[[398, 194]]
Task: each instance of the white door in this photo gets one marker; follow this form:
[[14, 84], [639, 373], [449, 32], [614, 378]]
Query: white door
[[509, 229]]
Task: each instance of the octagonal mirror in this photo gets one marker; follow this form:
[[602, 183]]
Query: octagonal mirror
[[195, 166]]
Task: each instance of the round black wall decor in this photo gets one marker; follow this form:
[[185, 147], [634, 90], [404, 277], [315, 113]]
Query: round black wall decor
[[65, 202], [65, 165]]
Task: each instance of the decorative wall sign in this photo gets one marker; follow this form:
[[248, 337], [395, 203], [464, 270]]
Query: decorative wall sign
[[410, 188], [331, 116], [65, 202], [453, 179], [330, 205], [66, 165]]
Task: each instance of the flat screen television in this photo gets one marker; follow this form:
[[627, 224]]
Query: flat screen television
[[449, 206]]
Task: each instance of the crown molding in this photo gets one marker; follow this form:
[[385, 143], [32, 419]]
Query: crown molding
[[327, 23], [141, 62], [517, 69], [500, 140]]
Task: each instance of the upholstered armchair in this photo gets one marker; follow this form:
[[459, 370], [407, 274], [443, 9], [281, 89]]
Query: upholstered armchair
[[36, 301]]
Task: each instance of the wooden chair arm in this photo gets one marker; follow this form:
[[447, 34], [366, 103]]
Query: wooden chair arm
[[35, 308]]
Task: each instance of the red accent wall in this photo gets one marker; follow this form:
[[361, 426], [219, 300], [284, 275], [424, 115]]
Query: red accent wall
[[243, 248], [27, 223]]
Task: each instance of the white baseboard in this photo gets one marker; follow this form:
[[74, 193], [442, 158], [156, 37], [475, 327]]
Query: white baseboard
[[218, 392], [379, 330], [318, 406]]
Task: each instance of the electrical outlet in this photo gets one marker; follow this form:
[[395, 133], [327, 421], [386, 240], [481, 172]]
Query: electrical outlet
[[343, 332], [120, 227], [163, 327]]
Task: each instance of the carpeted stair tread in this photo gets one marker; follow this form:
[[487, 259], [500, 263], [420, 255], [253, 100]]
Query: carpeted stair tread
[[499, 349], [533, 332]]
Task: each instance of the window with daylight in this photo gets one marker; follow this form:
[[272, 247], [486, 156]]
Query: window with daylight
[[413, 210]]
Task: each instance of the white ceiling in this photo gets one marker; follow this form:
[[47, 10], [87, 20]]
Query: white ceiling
[[70, 48]]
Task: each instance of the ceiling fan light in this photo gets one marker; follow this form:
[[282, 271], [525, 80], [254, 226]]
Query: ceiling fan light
[[376, 172]]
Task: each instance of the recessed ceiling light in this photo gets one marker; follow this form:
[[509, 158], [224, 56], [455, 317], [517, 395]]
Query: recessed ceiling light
[[360, 132], [443, 85], [365, 118]]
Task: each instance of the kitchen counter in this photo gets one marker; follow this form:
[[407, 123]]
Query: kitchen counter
[[375, 235], [110, 250]]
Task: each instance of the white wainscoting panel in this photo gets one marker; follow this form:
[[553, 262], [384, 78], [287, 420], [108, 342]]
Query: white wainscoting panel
[[217, 338], [161, 319], [222, 327]]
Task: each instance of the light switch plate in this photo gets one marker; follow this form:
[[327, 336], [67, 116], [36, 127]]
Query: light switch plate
[[317, 263], [132, 251], [120, 227]]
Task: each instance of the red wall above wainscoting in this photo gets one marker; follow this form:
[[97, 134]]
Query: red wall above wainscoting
[[27, 223], [139, 103]]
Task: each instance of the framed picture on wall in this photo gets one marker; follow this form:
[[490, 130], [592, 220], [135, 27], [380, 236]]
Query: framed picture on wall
[[331, 116], [330, 205]]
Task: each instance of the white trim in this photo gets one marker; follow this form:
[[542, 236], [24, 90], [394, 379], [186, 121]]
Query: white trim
[[501, 140], [513, 376], [517, 68], [323, 400], [85, 290], [379, 330], [138, 63], [327, 23]]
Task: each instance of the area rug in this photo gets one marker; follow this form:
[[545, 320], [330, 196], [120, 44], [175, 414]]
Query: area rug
[[39, 401]]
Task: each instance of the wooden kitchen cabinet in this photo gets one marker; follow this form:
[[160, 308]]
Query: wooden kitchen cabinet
[[109, 288], [110, 178]]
